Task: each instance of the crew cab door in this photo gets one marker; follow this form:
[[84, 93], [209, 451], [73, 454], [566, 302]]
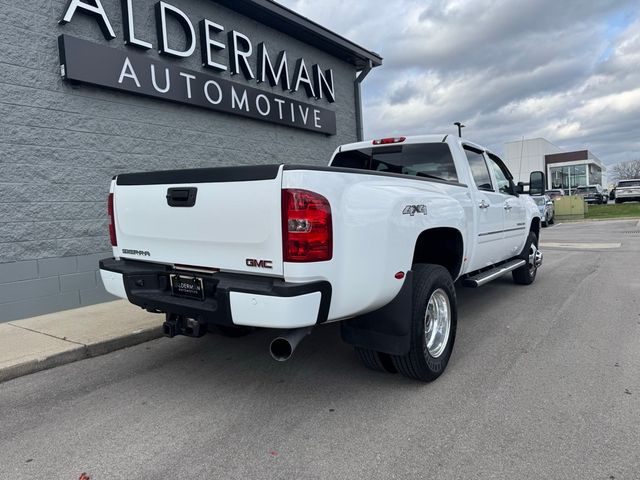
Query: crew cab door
[[489, 206], [515, 228]]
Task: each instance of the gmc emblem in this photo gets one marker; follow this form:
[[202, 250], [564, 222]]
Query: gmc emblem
[[252, 262]]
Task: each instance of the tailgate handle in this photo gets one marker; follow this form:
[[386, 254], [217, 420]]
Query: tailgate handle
[[182, 197]]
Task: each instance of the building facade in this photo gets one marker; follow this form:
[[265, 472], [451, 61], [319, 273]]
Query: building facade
[[569, 170], [525, 156], [91, 89], [563, 170]]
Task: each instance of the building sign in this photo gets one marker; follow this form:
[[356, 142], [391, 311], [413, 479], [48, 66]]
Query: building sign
[[127, 70], [87, 62]]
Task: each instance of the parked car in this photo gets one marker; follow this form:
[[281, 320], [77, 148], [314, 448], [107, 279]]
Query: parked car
[[557, 193], [627, 190], [590, 193], [374, 241], [546, 208]]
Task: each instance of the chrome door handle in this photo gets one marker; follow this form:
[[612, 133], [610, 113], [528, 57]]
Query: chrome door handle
[[483, 204], [507, 206]]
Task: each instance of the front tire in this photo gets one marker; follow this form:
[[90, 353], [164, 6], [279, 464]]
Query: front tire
[[433, 324], [526, 274]]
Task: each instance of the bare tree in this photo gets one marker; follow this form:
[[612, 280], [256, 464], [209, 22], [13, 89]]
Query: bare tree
[[626, 170]]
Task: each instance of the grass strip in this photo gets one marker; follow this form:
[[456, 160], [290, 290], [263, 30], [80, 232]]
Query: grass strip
[[622, 210]]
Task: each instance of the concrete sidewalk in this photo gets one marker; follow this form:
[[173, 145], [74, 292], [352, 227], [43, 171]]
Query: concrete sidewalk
[[38, 343]]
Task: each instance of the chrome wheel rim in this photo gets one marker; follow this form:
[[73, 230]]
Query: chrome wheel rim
[[535, 259], [437, 323]]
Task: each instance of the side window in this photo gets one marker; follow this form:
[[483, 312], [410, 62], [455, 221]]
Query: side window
[[479, 169], [504, 185]]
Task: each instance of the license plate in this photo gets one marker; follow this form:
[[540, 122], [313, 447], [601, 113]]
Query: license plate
[[190, 287]]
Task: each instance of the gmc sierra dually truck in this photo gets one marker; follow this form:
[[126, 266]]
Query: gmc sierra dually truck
[[375, 240]]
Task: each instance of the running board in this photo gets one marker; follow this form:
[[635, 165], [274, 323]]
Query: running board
[[485, 277]]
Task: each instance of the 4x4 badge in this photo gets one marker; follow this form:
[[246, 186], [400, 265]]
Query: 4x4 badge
[[413, 209]]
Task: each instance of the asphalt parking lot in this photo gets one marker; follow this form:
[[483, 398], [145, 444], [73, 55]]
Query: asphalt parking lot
[[544, 382]]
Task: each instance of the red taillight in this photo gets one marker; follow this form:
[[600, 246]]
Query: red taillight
[[307, 234], [112, 221], [387, 141]]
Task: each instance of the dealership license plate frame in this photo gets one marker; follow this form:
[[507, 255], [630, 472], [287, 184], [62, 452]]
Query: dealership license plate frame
[[177, 290]]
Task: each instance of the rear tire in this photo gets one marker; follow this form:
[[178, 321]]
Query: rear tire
[[377, 361], [526, 274], [433, 324]]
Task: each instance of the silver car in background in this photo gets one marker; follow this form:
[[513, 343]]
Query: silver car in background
[[545, 206], [555, 193]]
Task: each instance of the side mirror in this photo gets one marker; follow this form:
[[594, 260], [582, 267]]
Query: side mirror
[[520, 188], [536, 183], [550, 202]]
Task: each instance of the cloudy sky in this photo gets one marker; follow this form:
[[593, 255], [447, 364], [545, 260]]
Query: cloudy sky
[[565, 70]]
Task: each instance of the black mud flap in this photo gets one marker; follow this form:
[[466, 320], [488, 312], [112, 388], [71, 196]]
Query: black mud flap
[[387, 329]]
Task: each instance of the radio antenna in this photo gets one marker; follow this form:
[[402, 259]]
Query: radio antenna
[[520, 166]]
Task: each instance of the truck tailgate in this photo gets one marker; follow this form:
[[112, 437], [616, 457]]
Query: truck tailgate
[[234, 223]]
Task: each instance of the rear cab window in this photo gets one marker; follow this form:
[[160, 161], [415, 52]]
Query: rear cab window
[[628, 183], [426, 160]]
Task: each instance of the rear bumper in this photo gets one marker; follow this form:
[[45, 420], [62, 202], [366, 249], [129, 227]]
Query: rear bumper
[[627, 196], [229, 299]]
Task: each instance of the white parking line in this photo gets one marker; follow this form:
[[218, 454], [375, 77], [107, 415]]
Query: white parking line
[[579, 246]]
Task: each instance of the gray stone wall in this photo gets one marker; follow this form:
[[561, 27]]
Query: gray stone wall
[[60, 144]]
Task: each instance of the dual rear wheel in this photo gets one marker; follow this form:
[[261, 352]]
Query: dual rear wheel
[[434, 319], [433, 328]]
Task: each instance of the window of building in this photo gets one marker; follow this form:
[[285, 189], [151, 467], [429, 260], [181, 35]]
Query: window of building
[[570, 176], [595, 175]]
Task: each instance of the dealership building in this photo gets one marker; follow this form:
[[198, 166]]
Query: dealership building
[[564, 170], [91, 89]]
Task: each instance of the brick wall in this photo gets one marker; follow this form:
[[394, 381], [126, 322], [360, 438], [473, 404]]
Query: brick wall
[[61, 144]]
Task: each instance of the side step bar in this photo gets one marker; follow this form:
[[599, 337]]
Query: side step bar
[[485, 277]]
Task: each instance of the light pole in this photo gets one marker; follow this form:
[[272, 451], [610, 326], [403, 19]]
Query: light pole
[[460, 127]]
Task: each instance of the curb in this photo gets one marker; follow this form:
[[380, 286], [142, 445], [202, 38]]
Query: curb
[[586, 220], [80, 353], [32, 366]]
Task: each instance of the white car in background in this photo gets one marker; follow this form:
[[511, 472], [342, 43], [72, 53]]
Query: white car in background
[[628, 190], [546, 208]]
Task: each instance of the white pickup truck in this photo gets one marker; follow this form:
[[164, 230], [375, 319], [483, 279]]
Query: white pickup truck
[[375, 240]]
